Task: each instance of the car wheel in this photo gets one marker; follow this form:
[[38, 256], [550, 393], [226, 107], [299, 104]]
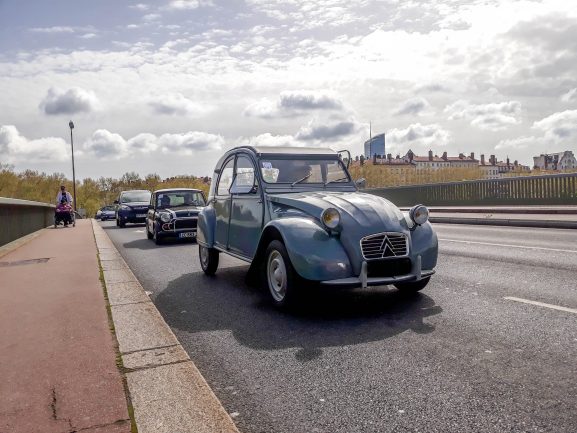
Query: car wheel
[[208, 259], [117, 223], [414, 286], [121, 224], [279, 275]]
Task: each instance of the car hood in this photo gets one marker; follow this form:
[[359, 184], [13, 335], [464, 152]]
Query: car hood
[[362, 213], [183, 212], [136, 203]]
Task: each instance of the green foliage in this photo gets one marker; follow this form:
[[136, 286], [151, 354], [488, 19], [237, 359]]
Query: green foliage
[[91, 194]]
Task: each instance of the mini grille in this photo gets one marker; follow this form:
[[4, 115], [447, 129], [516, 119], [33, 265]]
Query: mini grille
[[384, 245], [189, 223]]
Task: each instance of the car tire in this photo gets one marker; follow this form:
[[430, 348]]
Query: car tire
[[413, 286], [208, 259], [279, 275], [121, 224]]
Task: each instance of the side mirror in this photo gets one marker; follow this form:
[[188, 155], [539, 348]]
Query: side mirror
[[115, 202], [361, 183], [345, 154]]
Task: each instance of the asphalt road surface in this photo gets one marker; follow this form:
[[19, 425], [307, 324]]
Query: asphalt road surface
[[489, 346]]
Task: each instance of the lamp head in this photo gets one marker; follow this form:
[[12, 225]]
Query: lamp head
[[71, 124]]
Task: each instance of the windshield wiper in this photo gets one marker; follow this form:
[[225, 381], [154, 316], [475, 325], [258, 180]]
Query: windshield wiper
[[300, 180], [336, 180]]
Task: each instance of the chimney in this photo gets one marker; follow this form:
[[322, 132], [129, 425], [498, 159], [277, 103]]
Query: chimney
[[430, 155], [472, 155], [492, 160], [482, 159], [508, 163], [389, 157], [444, 156], [516, 163], [461, 156], [410, 154]]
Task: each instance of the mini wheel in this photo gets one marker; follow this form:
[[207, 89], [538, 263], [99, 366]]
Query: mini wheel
[[208, 259]]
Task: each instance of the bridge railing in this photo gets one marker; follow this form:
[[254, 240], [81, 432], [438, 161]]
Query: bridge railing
[[21, 217], [556, 189]]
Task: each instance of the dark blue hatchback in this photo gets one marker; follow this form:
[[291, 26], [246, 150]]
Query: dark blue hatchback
[[132, 207]]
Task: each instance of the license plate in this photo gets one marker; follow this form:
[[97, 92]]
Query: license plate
[[140, 215], [187, 235]]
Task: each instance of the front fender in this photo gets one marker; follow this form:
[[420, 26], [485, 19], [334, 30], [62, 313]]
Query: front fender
[[206, 226], [313, 253], [424, 243]]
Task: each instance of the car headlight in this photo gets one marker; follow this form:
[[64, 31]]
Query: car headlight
[[331, 218], [124, 207], [165, 217], [419, 214]]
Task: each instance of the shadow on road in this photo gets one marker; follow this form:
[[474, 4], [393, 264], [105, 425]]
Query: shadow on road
[[196, 303]]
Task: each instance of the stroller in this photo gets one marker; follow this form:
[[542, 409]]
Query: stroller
[[64, 214]]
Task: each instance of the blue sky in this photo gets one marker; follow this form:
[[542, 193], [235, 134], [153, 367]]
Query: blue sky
[[168, 86]]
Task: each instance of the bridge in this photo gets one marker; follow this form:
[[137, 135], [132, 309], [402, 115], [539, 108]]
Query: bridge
[[488, 346]]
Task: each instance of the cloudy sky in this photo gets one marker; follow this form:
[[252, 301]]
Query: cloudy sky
[[167, 86]]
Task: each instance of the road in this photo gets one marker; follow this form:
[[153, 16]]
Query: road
[[467, 354]]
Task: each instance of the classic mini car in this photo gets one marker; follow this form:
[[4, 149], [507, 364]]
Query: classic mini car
[[132, 207], [296, 215], [174, 213]]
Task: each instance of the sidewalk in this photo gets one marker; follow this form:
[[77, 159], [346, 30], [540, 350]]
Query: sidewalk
[[58, 368]]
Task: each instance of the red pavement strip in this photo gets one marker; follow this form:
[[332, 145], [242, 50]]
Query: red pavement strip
[[57, 354]]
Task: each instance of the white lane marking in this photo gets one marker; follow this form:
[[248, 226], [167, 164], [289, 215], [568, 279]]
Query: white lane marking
[[509, 246], [541, 304]]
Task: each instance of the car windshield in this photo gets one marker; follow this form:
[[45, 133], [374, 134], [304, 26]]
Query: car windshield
[[132, 196], [179, 198], [301, 171]]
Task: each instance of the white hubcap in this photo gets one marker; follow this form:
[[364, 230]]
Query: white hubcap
[[276, 275], [204, 256]]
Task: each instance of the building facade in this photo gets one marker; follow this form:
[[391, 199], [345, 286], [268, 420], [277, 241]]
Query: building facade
[[375, 146], [555, 161]]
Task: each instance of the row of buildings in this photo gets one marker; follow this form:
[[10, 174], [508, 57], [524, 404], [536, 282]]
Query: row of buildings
[[491, 168]]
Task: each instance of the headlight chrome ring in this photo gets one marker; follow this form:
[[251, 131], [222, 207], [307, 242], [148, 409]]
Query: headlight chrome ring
[[165, 217], [419, 214], [331, 218]]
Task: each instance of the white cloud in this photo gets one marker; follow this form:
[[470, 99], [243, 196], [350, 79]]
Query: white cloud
[[15, 147], [107, 145], [418, 137], [54, 29], [188, 4], [140, 7], [89, 36], [559, 126], [323, 132], [519, 143], [570, 96], [413, 107], [492, 117], [178, 105], [293, 103], [71, 101], [268, 139]]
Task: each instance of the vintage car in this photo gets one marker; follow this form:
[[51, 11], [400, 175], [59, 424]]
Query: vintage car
[[131, 207], [296, 215], [174, 213]]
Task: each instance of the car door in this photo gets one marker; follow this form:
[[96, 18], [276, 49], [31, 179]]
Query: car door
[[221, 203], [246, 209]]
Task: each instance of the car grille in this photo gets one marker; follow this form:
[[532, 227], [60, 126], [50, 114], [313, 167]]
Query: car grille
[[189, 223], [388, 268], [383, 245]]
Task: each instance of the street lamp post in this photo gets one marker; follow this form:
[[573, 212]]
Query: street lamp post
[[71, 125]]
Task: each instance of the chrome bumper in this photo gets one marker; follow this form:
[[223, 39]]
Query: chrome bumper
[[364, 281]]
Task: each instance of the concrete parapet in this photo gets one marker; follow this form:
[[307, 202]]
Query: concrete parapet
[[22, 217]]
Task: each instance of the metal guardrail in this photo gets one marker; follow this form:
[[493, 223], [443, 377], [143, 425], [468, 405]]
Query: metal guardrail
[[556, 189], [21, 217]]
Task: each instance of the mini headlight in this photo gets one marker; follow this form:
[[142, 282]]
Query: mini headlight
[[331, 218], [165, 217], [419, 214], [124, 207]]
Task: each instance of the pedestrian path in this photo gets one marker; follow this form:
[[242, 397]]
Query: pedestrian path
[[58, 368]]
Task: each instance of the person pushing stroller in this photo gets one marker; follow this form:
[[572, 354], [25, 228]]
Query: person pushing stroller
[[64, 212]]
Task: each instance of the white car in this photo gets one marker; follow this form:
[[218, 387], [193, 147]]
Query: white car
[[106, 213]]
